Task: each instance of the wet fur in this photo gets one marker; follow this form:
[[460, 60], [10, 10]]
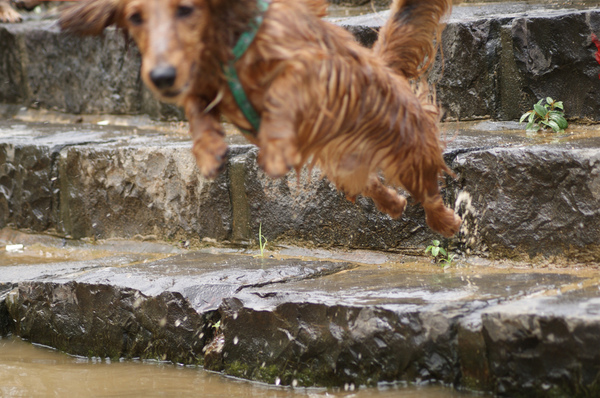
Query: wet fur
[[325, 100]]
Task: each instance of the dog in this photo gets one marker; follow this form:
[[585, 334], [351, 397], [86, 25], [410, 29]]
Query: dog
[[302, 89], [9, 15]]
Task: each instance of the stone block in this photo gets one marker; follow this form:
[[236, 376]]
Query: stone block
[[536, 200], [27, 187], [466, 72], [546, 347], [309, 209], [108, 322], [146, 190], [555, 57]]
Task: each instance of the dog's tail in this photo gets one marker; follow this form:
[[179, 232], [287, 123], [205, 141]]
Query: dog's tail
[[406, 41]]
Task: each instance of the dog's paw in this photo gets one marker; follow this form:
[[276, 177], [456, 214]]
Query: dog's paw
[[395, 207], [276, 159], [446, 223], [210, 160], [8, 15]]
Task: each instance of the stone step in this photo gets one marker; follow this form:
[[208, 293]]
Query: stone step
[[520, 195], [290, 320], [498, 59]]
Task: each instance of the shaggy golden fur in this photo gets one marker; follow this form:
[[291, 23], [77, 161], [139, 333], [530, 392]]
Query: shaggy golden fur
[[324, 99]]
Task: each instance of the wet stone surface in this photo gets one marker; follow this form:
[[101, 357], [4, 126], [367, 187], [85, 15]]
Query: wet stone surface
[[523, 195], [499, 59], [301, 321]]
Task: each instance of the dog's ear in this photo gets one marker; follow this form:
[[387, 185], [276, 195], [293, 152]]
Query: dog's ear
[[89, 17]]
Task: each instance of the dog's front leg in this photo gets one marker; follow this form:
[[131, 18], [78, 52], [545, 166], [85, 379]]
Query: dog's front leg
[[209, 147], [277, 137]]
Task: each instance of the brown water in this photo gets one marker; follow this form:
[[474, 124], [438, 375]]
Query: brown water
[[32, 371]]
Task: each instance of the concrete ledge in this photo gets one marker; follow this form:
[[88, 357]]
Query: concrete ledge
[[305, 322], [520, 195], [498, 60]]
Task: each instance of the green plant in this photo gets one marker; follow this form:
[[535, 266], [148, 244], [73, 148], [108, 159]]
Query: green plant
[[217, 326], [262, 244], [545, 116], [448, 260], [440, 254]]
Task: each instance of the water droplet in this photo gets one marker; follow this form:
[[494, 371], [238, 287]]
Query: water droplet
[[294, 383], [235, 340], [177, 323], [138, 301], [277, 381], [235, 315], [162, 322]]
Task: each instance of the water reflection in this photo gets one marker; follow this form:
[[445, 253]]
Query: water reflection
[[30, 371]]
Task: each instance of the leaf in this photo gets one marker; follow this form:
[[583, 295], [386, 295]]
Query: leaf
[[559, 105], [531, 117], [525, 115], [531, 126], [429, 248], [559, 119], [436, 242], [435, 251], [540, 110], [562, 122], [443, 251], [554, 126], [549, 100]]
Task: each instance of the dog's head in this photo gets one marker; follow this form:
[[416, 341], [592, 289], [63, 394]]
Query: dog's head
[[168, 34]]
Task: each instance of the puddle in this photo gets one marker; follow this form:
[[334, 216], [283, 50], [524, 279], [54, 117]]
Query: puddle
[[32, 371]]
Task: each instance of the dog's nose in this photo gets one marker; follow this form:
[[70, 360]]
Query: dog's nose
[[163, 76]]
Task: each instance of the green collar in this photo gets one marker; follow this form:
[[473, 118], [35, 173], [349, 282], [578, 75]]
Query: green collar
[[231, 74]]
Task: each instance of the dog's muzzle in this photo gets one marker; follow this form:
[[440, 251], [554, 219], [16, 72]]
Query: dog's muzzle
[[163, 77]]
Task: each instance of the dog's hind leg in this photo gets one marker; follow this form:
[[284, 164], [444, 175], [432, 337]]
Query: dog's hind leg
[[386, 199], [439, 217], [423, 186], [209, 147]]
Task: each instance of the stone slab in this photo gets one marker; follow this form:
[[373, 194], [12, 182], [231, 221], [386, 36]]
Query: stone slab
[[501, 58], [498, 59], [528, 195], [301, 321]]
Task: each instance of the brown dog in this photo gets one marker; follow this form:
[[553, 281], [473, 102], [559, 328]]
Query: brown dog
[[322, 98]]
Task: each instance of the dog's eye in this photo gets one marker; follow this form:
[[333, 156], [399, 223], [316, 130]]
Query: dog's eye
[[136, 18], [184, 11]]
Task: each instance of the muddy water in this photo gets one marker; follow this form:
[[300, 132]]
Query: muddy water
[[31, 371]]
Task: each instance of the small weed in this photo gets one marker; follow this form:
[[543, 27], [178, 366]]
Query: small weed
[[544, 116], [439, 254], [262, 244], [448, 260], [217, 326]]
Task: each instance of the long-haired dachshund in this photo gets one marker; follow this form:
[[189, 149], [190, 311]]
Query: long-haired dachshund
[[301, 88]]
